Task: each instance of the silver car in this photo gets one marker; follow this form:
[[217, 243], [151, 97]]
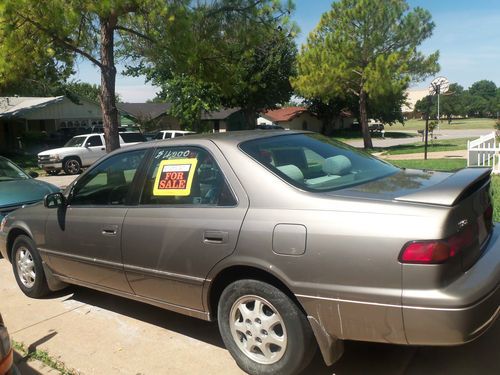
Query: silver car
[[291, 241]]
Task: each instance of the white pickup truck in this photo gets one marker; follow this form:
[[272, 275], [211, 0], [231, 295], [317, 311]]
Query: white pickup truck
[[81, 151]]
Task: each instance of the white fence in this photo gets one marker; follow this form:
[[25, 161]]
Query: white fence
[[484, 152]]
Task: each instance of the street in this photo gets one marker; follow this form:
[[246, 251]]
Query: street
[[97, 333]]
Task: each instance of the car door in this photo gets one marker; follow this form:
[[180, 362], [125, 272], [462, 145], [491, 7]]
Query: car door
[[83, 239], [95, 148], [189, 217]]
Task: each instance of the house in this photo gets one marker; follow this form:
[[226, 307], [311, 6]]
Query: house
[[21, 115], [151, 116], [294, 118], [155, 116], [226, 119]]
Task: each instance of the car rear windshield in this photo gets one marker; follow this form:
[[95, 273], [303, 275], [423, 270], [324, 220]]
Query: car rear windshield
[[316, 163], [132, 137]]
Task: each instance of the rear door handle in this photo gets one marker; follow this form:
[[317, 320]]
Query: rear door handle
[[215, 236], [110, 230]]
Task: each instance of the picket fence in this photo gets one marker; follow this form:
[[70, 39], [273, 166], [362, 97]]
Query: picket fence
[[484, 152]]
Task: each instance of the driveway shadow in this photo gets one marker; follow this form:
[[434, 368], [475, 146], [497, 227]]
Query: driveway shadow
[[478, 357], [185, 325]]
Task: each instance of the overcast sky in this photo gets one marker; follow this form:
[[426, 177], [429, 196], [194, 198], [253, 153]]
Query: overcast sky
[[467, 34]]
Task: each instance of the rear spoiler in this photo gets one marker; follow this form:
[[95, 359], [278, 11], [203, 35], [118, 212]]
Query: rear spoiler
[[451, 190]]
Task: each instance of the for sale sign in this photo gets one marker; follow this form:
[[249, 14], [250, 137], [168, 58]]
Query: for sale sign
[[174, 177]]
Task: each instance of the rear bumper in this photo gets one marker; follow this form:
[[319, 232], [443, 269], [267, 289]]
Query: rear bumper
[[451, 326], [461, 311]]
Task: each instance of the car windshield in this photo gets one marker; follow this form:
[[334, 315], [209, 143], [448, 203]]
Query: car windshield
[[9, 171], [316, 163], [75, 142]]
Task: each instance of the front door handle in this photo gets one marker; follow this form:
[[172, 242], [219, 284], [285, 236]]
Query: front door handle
[[215, 236], [110, 230]]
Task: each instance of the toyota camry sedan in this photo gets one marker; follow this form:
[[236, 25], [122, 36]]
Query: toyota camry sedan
[[290, 240]]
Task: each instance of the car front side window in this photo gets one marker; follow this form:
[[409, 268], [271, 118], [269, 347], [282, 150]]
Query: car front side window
[[109, 182], [186, 176]]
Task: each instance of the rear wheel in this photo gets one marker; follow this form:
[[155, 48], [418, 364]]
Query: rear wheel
[[28, 269], [263, 329], [72, 166]]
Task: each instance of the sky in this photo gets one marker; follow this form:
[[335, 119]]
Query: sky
[[467, 34]]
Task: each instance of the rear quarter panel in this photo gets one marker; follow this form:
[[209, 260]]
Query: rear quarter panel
[[349, 277]]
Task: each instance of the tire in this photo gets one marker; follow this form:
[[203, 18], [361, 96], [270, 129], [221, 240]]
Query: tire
[[72, 165], [28, 269], [53, 172], [279, 327]]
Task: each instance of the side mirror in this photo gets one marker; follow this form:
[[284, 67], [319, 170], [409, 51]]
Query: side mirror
[[54, 200], [33, 174], [88, 144]]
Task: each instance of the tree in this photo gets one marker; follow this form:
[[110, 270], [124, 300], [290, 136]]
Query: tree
[[237, 54], [452, 102], [367, 48], [484, 88], [75, 90], [33, 32]]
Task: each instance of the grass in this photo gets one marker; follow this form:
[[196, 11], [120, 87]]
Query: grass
[[495, 188], [432, 164], [26, 162], [450, 165], [418, 147], [470, 123], [44, 357]]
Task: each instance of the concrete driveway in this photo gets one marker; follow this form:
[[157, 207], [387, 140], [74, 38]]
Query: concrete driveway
[[96, 333]]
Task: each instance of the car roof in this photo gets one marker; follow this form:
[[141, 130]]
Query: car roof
[[176, 131], [231, 138]]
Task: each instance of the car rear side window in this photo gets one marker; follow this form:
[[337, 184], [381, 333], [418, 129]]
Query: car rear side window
[[185, 176], [132, 137], [109, 182], [316, 163]]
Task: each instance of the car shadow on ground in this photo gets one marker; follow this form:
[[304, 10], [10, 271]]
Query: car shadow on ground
[[477, 357]]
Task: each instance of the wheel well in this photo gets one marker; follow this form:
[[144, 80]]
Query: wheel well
[[13, 234], [72, 157], [232, 274]]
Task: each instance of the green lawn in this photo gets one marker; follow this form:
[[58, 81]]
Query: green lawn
[[450, 165], [435, 145], [26, 162], [472, 123], [495, 188], [431, 164]]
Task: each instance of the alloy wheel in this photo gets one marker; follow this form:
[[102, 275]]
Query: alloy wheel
[[258, 329], [25, 267]]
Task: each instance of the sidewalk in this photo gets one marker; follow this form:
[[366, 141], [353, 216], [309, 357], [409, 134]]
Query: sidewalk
[[457, 154]]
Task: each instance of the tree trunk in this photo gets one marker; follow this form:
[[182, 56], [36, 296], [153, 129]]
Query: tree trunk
[[363, 120], [108, 81]]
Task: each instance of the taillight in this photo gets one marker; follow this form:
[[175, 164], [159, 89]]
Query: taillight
[[439, 251]]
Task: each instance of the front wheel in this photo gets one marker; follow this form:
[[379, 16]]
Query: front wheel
[[28, 268], [72, 166], [263, 329]]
